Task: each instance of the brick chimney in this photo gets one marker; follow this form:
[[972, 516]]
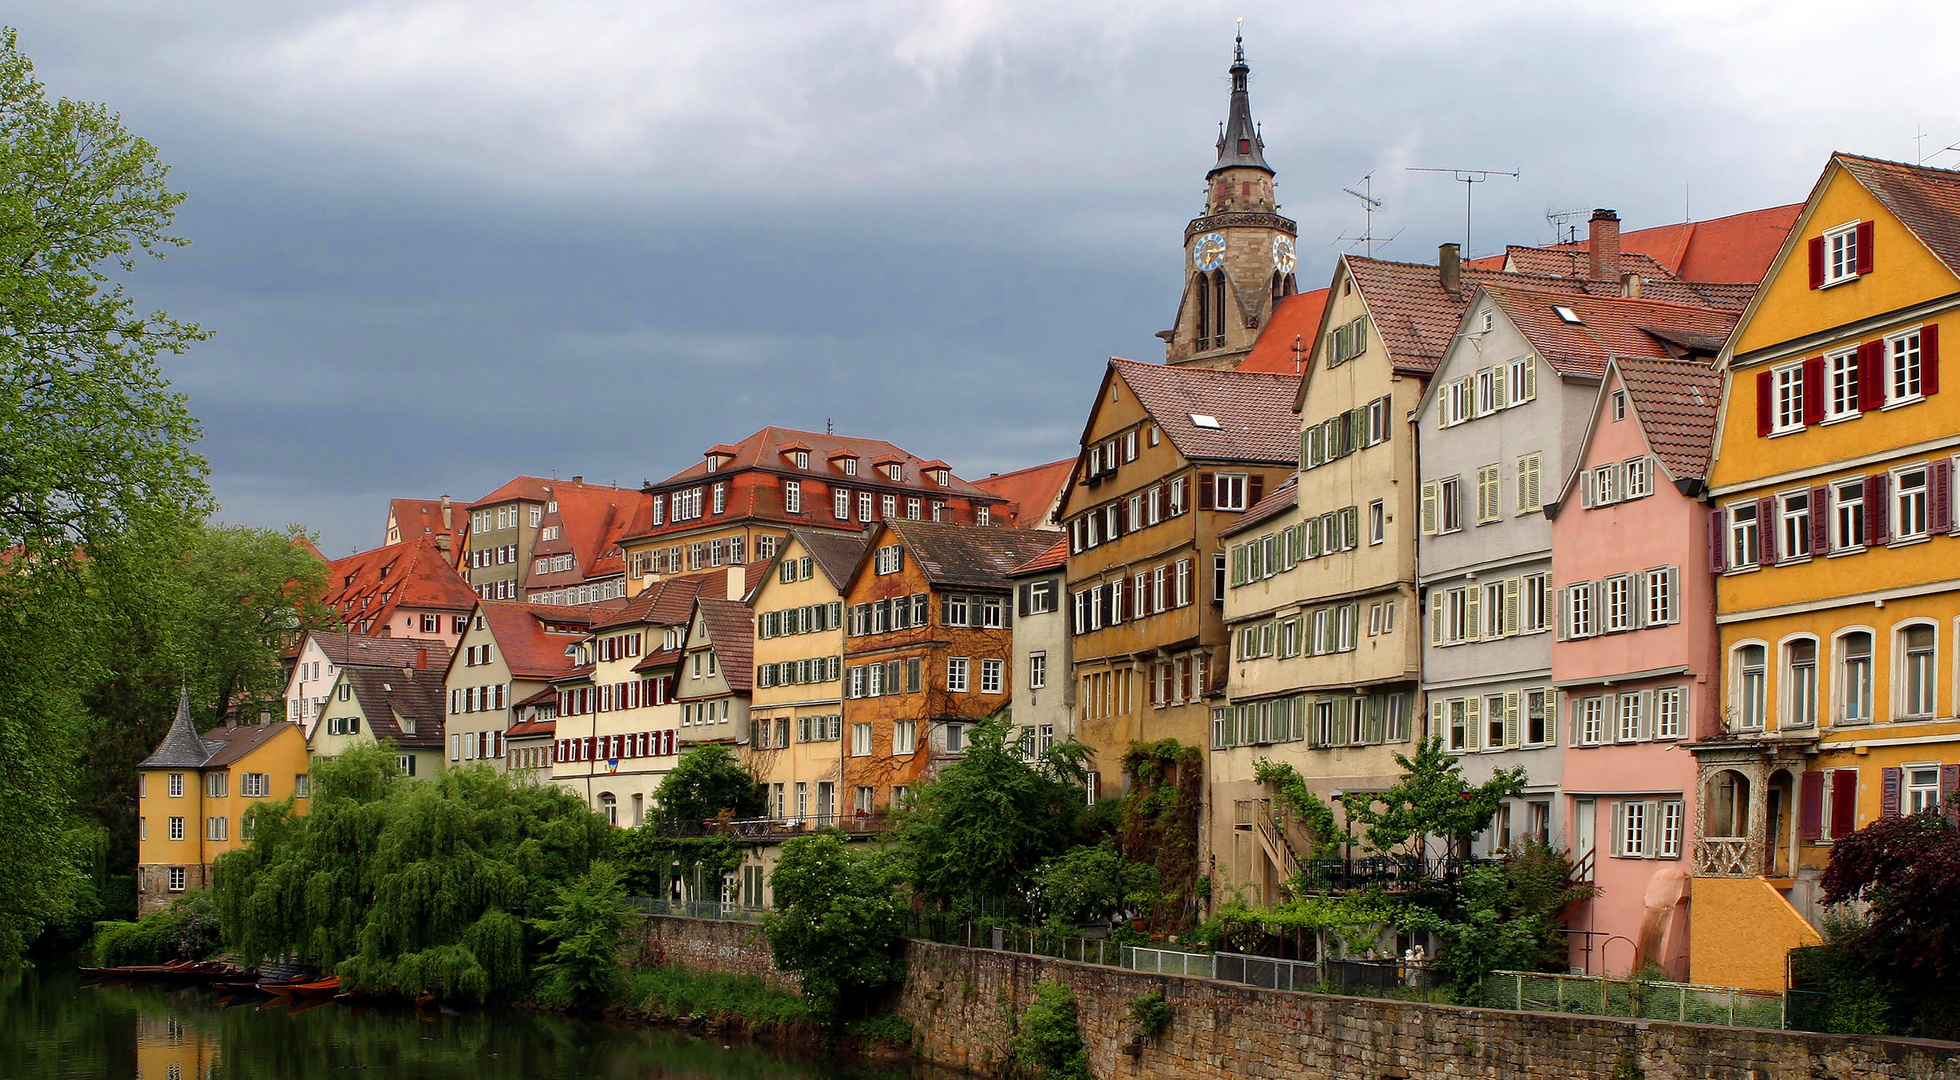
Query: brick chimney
[[421, 659], [447, 522], [1603, 240], [1450, 264]]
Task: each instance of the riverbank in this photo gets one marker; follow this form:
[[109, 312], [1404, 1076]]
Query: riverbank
[[746, 1006], [962, 1005]]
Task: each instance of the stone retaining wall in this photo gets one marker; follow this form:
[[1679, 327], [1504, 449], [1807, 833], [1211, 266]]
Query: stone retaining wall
[[963, 1002]]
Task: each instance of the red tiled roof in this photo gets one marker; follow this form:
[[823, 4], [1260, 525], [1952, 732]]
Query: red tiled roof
[[658, 658], [1925, 200], [423, 517], [1296, 319], [1736, 248], [591, 521], [1031, 493], [1054, 558], [534, 728], [1675, 402], [545, 696], [668, 602], [1576, 262], [731, 632], [1274, 503], [1608, 327], [356, 650], [518, 487], [1415, 318], [412, 574], [230, 744], [530, 652], [1254, 410], [765, 449], [978, 555]]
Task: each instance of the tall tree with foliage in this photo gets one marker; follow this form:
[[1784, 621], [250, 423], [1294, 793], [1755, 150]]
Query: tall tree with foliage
[[704, 782], [95, 454], [980, 830], [838, 921], [408, 885], [585, 924], [1431, 799]]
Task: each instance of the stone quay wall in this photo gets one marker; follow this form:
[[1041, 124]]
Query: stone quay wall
[[963, 1004]]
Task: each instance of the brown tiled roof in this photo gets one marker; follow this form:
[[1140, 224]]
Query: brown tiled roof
[[836, 554], [542, 697], [423, 517], [1254, 411], [1675, 402], [534, 728], [518, 487], [667, 602], [969, 555], [1296, 318], [1608, 327], [530, 652], [765, 449], [1274, 503], [1576, 262], [656, 659], [1054, 558], [592, 520], [1031, 493], [1925, 200], [731, 630], [232, 744], [354, 650], [371, 585], [386, 694]]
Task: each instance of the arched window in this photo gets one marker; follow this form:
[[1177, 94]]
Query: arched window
[[1854, 677], [1916, 646], [1799, 683], [609, 806], [1279, 288], [1751, 674], [1202, 288], [1218, 308], [1728, 805]]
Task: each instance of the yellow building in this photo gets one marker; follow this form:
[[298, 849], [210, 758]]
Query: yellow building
[[192, 794], [1836, 601]]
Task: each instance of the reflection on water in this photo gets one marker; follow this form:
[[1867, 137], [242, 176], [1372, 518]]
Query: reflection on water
[[54, 1027]]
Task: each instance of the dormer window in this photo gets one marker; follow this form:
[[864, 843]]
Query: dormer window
[[550, 508], [896, 472], [850, 467], [802, 459], [713, 463]]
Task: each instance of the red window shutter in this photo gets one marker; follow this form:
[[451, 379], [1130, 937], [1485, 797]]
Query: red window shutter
[[1929, 359], [1767, 527], [1816, 262], [1844, 803], [1891, 785], [1255, 489], [1949, 785], [1810, 806], [1718, 551], [1871, 376], [1878, 509], [1204, 491], [1765, 393], [1813, 390], [1864, 247], [1820, 520], [1939, 492]]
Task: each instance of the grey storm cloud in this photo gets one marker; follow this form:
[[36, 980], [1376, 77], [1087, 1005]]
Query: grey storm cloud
[[445, 242]]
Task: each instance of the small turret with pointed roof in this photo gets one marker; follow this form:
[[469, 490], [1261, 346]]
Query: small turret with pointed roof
[[1239, 144], [181, 747]]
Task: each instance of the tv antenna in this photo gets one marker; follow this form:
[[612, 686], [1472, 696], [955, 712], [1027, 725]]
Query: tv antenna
[[1369, 205], [1563, 231], [1469, 178]]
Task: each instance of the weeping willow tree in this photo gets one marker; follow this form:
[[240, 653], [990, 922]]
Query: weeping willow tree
[[403, 886]]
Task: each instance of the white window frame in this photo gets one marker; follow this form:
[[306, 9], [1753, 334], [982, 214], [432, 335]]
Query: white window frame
[[1847, 516], [1843, 683], [957, 671], [1840, 254], [1905, 501], [1904, 707], [1670, 708], [1841, 385], [1749, 694], [1786, 401], [1905, 373], [1743, 537]]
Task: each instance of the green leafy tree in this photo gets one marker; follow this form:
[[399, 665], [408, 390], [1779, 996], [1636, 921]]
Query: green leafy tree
[[95, 457], [979, 830], [704, 782], [838, 921], [583, 927], [1047, 1039], [1431, 799], [407, 885], [1503, 917], [1091, 883]]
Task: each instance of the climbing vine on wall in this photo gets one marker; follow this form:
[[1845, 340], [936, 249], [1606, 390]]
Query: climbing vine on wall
[[1158, 823]]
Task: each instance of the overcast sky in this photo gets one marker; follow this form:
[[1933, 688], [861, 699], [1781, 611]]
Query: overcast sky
[[445, 242]]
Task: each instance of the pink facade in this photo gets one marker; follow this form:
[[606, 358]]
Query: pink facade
[[1636, 660]]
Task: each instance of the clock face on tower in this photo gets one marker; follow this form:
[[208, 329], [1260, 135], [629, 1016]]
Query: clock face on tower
[[1284, 258], [1209, 252]]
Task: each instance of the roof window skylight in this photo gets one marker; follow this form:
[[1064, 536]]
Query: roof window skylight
[[1566, 314], [1204, 421]]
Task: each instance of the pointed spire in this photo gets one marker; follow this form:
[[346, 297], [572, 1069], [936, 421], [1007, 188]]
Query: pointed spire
[[181, 747], [1239, 144]]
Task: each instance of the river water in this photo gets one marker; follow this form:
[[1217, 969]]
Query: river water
[[53, 1026]]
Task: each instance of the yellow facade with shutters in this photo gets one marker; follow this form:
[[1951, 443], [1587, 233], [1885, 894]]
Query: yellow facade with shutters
[[188, 815], [1838, 601]]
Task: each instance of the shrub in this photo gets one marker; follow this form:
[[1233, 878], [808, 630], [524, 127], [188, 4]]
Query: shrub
[[186, 930], [1047, 1041], [583, 930], [682, 993], [1151, 1013]]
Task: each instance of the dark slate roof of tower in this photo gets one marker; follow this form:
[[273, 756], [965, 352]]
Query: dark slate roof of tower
[[1239, 144], [181, 747]]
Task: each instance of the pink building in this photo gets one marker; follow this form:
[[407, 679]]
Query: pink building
[[1636, 656]]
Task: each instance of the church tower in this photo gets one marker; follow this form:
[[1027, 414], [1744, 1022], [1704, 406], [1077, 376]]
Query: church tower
[[1239, 257]]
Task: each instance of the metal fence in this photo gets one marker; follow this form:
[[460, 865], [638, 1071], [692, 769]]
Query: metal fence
[[1592, 995], [695, 909], [1167, 961], [1266, 972]]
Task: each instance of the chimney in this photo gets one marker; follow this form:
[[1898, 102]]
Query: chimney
[[578, 479], [1450, 264], [421, 659], [1603, 240], [738, 582], [447, 522], [1630, 286], [442, 543]]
